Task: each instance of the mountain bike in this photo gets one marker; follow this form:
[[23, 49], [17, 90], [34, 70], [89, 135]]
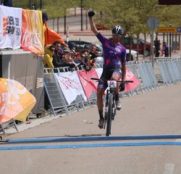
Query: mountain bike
[[110, 103]]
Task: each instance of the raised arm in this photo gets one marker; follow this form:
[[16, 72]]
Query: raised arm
[[91, 21]]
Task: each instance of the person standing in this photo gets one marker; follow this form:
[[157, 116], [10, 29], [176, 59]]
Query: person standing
[[8, 3], [165, 50], [157, 47]]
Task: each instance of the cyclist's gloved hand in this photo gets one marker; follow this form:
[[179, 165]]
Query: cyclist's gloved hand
[[91, 13], [122, 86]]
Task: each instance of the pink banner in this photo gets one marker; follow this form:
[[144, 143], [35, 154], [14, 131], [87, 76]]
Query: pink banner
[[131, 86], [88, 85]]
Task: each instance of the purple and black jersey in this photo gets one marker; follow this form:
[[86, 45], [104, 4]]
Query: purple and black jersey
[[113, 54]]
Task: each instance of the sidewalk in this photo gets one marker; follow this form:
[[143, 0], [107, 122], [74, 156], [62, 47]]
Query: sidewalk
[[34, 122]]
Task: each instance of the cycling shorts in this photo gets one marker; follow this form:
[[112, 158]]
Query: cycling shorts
[[107, 75]]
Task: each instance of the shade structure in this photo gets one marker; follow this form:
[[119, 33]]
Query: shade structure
[[16, 102]]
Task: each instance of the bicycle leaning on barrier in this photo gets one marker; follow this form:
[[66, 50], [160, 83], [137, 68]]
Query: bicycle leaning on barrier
[[110, 103]]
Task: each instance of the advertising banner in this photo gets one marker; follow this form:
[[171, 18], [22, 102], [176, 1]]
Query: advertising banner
[[70, 86], [89, 85], [10, 27], [131, 86], [99, 71], [32, 32], [129, 76], [16, 102]]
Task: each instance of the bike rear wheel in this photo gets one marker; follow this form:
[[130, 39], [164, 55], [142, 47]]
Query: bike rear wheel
[[109, 114]]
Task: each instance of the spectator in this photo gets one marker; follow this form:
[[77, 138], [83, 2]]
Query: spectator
[[8, 3], [44, 17], [93, 53], [157, 47], [84, 57], [88, 58], [165, 50], [50, 35], [48, 57], [77, 59], [67, 59], [57, 55]]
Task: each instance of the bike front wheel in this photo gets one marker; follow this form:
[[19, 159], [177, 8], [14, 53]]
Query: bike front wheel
[[109, 114]]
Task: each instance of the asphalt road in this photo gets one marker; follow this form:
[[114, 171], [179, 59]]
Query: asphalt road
[[156, 113]]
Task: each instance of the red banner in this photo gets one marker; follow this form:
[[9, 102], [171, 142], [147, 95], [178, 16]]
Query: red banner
[[131, 86], [88, 85]]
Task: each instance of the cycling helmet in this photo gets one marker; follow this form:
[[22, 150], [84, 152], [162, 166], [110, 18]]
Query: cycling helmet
[[117, 30]]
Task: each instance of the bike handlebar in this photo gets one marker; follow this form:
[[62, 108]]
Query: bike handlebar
[[125, 81]]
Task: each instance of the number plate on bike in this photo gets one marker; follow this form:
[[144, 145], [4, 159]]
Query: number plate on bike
[[112, 83]]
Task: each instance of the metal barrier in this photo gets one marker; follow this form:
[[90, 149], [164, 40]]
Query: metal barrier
[[55, 96], [147, 76], [10, 123], [176, 64], [165, 71], [170, 70]]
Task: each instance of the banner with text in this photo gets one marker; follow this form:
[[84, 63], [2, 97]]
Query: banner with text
[[99, 71], [131, 86], [89, 86], [10, 27], [70, 85]]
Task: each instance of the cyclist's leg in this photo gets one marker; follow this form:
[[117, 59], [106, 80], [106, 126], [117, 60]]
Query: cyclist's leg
[[100, 93], [102, 85], [117, 76]]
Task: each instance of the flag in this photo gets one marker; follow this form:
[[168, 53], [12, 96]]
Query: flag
[[32, 32]]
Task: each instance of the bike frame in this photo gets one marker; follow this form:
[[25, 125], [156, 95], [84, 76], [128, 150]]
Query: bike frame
[[110, 103]]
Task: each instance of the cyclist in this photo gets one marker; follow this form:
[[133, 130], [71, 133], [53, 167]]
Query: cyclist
[[114, 54]]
